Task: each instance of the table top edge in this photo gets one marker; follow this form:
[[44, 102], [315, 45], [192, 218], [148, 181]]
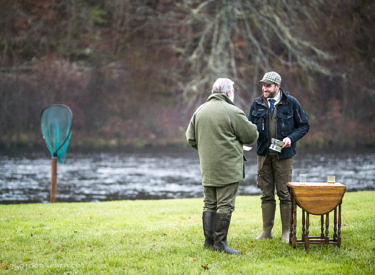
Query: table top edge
[[315, 184]]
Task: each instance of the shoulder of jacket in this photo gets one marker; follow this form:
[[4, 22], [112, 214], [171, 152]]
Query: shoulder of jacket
[[289, 97], [233, 108], [258, 100], [293, 100], [200, 108]]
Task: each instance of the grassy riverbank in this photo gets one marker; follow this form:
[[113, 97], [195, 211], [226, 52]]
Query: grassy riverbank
[[165, 237]]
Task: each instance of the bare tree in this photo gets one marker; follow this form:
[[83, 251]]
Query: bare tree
[[241, 39]]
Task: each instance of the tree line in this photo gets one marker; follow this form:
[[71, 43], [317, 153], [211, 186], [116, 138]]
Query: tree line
[[133, 71]]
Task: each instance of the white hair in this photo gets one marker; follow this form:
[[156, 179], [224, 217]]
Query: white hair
[[223, 85]]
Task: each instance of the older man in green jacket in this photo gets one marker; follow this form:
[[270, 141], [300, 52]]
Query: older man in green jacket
[[218, 130]]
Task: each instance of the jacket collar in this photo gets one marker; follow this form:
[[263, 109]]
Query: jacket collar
[[284, 98], [219, 96]]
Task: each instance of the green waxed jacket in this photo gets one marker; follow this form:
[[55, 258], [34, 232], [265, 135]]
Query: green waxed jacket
[[218, 129]]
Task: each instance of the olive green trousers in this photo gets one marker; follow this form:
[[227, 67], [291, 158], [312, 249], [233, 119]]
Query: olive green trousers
[[274, 173], [220, 199]]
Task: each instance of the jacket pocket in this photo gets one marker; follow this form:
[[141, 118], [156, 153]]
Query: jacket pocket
[[285, 123], [258, 118]]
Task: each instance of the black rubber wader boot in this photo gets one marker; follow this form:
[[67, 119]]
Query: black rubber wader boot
[[221, 232], [208, 220]]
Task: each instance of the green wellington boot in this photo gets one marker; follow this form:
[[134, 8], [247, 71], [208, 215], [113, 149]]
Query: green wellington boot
[[285, 213], [268, 215]]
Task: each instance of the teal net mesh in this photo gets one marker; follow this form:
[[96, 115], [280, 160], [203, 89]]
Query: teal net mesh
[[56, 124]]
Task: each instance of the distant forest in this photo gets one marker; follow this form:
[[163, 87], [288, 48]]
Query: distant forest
[[134, 71]]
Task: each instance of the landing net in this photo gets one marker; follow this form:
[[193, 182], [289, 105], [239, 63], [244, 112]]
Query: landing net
[[56, 124]]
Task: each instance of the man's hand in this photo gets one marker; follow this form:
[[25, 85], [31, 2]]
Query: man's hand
[[287, 142]]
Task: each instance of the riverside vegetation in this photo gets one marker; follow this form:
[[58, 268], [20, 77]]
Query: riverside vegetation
[[165, 237], [133, 72]]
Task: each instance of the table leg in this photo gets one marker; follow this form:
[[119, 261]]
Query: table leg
[[294, 231], [322, 226], [339, 228], [291, 219], [335, 225], [303, 225], [327, 228], [307, 230]]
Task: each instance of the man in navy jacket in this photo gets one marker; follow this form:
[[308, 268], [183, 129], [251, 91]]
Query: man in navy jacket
[[277, 115]]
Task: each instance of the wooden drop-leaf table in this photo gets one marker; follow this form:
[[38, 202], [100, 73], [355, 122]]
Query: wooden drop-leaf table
[[316, 198]]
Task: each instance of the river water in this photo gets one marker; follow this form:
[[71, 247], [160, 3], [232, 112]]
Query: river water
[[156, 175]]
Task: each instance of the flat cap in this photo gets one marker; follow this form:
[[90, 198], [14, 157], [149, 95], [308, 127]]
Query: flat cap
[[271, 78]]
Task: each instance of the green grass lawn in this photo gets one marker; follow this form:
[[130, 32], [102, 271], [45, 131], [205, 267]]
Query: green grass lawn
[[165, 237]]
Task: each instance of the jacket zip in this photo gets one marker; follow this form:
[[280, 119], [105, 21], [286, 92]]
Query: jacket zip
[[299, 116], [276, 130]]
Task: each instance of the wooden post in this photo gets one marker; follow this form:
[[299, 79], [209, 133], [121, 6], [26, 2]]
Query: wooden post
[[52, 197]]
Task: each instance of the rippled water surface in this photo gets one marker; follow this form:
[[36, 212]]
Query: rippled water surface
[[156, 175]]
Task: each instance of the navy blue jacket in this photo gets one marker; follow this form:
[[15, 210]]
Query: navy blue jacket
[[292, 122]]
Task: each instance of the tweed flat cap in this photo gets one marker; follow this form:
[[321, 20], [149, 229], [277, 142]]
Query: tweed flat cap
[[271, 78]]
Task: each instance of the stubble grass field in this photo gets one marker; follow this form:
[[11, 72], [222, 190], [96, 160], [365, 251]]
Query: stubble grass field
[[165, 237]]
